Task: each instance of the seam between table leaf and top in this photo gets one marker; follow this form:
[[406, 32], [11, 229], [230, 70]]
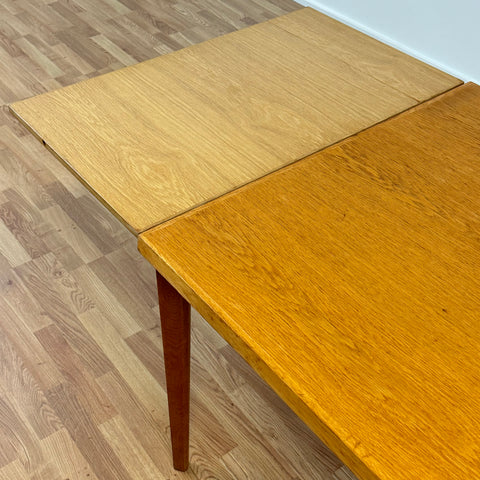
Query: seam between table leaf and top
[[203, 204]]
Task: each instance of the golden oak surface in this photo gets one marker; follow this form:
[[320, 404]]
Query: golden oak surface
[[155, 139], [350, 281]]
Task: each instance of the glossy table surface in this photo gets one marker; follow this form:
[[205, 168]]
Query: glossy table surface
[[350, 281], [158, 138]]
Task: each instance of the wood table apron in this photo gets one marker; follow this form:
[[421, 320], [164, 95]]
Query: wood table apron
[[155, 140], [349, 281]]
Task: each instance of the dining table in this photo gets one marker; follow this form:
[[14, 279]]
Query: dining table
[[313, 193]]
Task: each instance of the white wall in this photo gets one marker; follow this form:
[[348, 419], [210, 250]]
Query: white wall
[[444, 33]]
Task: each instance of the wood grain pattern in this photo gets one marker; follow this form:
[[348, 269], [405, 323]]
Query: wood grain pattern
[[158, 138], [349, 281]]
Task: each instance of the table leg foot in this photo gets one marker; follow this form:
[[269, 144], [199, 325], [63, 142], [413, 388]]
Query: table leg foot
[[175, 321]]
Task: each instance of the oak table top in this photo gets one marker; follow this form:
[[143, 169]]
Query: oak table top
[[155, 139], [350, 281]]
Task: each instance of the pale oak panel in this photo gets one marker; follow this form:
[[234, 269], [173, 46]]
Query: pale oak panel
[[155, 139]]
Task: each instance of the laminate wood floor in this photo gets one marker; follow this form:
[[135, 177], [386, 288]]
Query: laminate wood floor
[[81, 372]]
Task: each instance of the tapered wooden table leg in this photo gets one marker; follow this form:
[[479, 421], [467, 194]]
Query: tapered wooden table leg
[[175, 320]]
